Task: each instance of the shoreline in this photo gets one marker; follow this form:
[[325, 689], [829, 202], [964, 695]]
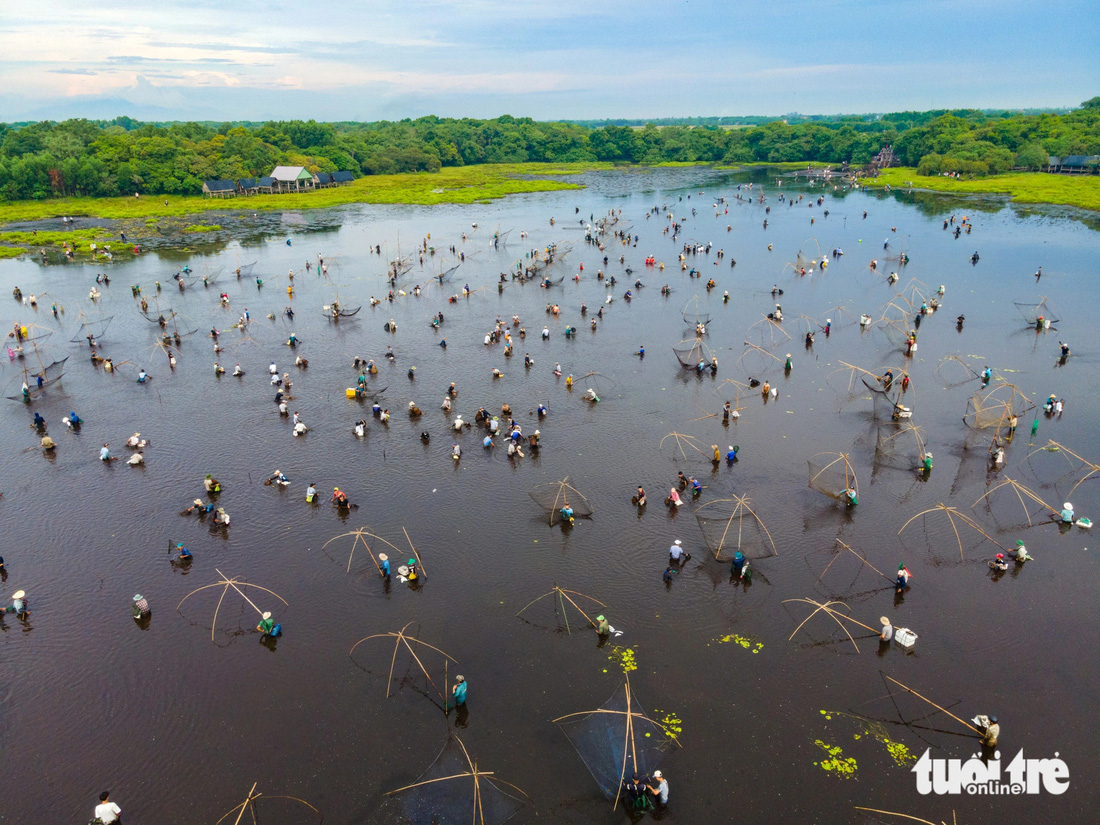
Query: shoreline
[[452, 184], [463, 185], [1082, 192]]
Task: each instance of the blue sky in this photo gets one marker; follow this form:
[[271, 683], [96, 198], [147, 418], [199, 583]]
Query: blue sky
[[376, 59]]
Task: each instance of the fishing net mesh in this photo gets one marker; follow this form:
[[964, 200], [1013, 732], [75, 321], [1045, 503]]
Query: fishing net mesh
[[995, 407], [458, 799], [554, 497], [832, 475], [896, 448], [896, 331], [729, 527], [93, 328], [689, 357], [603, 741], [1032, 311], [885, 405]]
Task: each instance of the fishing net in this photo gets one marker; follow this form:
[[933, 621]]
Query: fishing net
[[1033, 310], [803, 261], [832, 474], [690, 356], [692, 314], [953, 371], [995, 407], [1055, 465], [887, 405], [95, 329], [180, 325], [210, 276], [245, 270], [50, 375], [454, 790], [896, 330], [731, 526], [446, 274], [556, 496], [766, 333], [617, 740], [156, 314], [757, 362], [900, 448]]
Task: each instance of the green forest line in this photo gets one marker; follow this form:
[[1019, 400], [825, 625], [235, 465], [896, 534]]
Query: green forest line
[[82, 158]]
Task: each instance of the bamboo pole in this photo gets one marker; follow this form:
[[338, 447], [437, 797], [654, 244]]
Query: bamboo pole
[[246, 803], [864, 560], [415, 554], [895, 813], [933, 704]]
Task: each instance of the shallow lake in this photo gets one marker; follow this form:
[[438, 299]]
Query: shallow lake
[[180, 726]]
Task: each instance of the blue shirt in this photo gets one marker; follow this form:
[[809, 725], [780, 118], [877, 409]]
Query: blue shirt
[[488, 442], [104, 454], [460, 693], [385, 567]]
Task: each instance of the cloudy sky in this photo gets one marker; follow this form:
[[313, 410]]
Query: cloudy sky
[[377, 59]]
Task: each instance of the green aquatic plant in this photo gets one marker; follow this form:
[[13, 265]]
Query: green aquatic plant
[[624, 658], [876, 730], [836, 763], [672, 723], [752, 643]]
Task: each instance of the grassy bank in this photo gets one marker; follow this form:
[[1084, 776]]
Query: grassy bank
[[465, 184], [1022, 187], [79, 241]]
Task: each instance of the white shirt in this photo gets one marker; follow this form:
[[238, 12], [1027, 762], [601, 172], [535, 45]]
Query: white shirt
[[662, 790], [675, 551], [107, 812]]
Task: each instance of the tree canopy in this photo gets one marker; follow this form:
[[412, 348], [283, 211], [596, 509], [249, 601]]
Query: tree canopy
[[122, 156]]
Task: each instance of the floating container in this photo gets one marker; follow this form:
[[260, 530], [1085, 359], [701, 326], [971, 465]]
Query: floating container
[[905, 637]]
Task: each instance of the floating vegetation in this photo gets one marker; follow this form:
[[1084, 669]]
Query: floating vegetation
[[202, 227], [624, 658], [672, 723], [898, 752], [752, 643], [836, 763]]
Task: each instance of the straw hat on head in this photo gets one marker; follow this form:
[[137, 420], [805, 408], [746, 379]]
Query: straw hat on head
[[383, 557], [198, 502], [884, 620], [677, 541], [460, 678], [18, 594], [1067, 506], [137, 597], [267, 615], [600, 618]]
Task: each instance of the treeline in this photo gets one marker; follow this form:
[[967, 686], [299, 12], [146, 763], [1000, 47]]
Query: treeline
[[122, 156], [794, 118]]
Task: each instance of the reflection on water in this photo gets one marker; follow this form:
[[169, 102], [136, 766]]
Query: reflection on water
[[92, 700]]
